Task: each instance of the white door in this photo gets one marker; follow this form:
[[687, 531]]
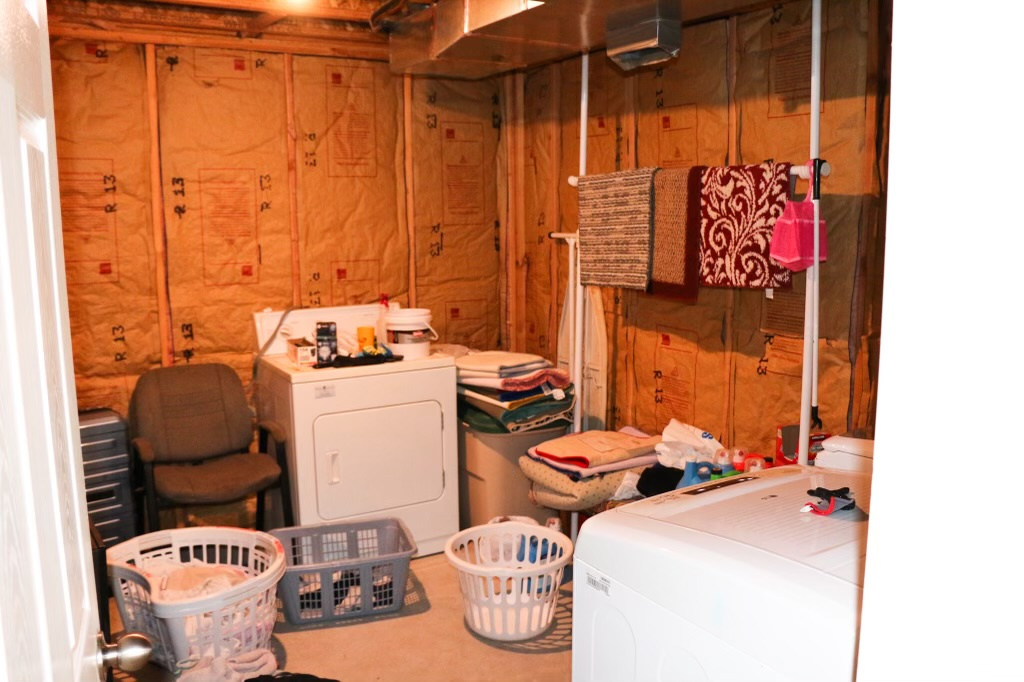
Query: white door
[[943, 591], [48, 617], [356, 446]]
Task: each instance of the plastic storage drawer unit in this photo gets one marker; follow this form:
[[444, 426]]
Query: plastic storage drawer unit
[[108, 479]]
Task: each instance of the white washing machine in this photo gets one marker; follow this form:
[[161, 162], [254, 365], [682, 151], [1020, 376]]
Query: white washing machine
[[723, 581], [370, 441]]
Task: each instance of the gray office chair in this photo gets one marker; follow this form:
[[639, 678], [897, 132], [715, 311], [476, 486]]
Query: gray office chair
[[192, 429]]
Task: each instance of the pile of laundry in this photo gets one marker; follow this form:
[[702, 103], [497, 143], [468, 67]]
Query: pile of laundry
[[591, 470], [173, 581], [253, 666], [578, 471], [689, 455], [501, 391]]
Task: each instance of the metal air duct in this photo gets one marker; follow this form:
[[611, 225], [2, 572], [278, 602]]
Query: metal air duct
[[481, 38], [643, 32]]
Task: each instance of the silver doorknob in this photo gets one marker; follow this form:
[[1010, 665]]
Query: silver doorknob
[[130, 653]]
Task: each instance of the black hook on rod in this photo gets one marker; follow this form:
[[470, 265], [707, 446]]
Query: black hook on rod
[[818, 163]]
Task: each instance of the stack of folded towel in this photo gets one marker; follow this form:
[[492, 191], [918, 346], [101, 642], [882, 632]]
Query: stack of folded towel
[[505, 391], [581, 470]]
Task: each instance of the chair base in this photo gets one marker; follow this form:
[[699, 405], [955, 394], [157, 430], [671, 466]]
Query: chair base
[[246, 512]]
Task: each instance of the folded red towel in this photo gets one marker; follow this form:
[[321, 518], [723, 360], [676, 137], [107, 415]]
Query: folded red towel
[[595, 448]]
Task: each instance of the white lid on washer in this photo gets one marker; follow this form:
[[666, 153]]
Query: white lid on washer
[[847, 454], [757, 515]]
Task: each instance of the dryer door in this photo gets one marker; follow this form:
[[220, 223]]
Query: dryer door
[[376, 459]]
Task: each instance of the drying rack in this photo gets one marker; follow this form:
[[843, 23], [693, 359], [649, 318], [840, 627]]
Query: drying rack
[[809, 375]]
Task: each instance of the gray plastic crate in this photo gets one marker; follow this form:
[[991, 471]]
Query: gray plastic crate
[[109, 494], [336, 571]]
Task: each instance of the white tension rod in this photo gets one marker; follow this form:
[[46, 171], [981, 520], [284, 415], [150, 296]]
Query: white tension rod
[[577, 335], [574, 290], [804, 172], [809, 375], [799, 170]]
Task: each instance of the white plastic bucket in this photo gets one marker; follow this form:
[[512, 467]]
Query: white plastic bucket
[[409, 332]]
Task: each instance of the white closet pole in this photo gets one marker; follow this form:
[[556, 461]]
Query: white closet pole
[[574, 289], [572, 285], [576, 361], [816, 198], [809, 387]]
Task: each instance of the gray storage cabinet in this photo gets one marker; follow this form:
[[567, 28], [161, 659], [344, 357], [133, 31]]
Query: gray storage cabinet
[[109, 493]]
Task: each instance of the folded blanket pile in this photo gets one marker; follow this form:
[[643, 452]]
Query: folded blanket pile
[[501, 391], [581, 470]]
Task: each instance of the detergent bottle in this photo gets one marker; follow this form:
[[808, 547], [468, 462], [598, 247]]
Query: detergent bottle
[[738, 457], [754, 462], [723, 460]]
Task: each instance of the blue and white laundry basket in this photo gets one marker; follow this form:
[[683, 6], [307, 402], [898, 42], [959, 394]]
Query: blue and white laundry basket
[[509, 574]]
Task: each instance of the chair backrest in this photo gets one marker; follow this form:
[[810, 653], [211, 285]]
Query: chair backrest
[[191, 412]]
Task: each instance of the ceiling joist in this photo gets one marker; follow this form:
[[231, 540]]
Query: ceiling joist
[[260, 23], [356, 11], [193, 23]]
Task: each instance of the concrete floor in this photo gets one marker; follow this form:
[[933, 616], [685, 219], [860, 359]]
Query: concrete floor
[[427, 640]]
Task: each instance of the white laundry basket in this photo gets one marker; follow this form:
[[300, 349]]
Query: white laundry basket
[[235, 620], [509, 574]]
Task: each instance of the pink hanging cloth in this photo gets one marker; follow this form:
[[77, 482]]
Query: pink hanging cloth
[[793, 237]]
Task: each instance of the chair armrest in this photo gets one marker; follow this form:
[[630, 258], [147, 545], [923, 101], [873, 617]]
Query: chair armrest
[[145, 485], [275, 430], [270, 429], [144, 449]]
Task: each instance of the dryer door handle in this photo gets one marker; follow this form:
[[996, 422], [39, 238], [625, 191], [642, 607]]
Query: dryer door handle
[[334, 466]]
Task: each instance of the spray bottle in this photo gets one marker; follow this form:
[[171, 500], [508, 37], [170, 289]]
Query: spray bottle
[[382, 316]]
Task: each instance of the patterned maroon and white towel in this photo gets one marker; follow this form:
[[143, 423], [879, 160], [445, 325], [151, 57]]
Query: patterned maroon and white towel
[[739, 206]]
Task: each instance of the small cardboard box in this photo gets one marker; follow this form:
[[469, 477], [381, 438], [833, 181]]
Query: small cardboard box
[[786, 438], [302, 352]]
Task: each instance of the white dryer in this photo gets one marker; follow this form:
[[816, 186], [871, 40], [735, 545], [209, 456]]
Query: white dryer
[[723, 581], [370, 441]]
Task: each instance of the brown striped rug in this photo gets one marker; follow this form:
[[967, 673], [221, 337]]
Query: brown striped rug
[[616, 224]]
